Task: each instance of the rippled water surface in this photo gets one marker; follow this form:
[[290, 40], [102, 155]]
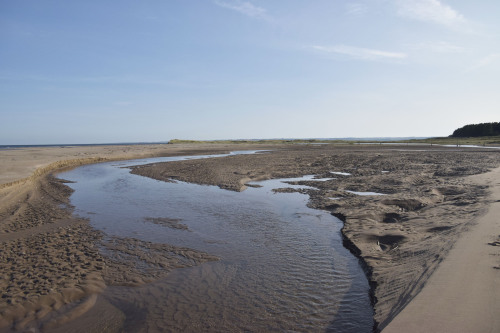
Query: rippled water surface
[[282, 267]]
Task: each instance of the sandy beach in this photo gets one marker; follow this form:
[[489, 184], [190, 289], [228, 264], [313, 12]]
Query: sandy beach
[[465, 279], [432, 198]]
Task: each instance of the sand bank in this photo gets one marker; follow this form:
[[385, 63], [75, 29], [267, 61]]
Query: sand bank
[[463, 295], [20, 163], [53, 264], [400, 236]]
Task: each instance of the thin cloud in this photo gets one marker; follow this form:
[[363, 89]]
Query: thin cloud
[[356, 9], [429, 10], [489, 61], [243, 7], [437, 47], [360, 53]]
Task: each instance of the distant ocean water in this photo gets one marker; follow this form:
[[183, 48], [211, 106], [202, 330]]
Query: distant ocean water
[[381, 138], [82, 145], [343, 139]]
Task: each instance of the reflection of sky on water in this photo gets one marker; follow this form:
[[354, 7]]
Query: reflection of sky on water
[[286, 263]]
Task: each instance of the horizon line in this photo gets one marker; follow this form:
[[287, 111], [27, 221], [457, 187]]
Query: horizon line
[[375, 138]]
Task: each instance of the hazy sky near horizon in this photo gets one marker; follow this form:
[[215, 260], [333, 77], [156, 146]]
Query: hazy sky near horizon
[[126, 71]]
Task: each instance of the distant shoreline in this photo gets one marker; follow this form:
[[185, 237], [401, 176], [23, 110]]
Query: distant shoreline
[[374, 139], [467, 141], [81, 145]]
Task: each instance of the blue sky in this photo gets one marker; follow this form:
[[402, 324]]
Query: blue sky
[[127, 71]]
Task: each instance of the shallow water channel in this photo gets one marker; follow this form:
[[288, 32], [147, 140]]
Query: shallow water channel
[[282, 267]]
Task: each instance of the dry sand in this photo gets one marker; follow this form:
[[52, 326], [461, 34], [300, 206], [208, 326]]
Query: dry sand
[[53, 266], [463, 295]]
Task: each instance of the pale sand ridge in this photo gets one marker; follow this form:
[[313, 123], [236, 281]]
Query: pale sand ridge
[[463, 295]]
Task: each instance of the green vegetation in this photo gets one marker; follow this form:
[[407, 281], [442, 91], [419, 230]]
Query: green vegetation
[[477, 130], [485, 134]]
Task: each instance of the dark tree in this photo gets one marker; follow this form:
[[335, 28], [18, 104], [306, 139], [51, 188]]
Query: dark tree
[[475, 130]]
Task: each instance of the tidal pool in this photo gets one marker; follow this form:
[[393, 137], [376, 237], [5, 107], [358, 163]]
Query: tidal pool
[[365, 193], [282, 267], [340, 173]]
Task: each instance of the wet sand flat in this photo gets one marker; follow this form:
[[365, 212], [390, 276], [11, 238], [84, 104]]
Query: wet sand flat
[[401, 236], [53, 264]]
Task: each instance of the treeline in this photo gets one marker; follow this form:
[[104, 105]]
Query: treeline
[[475, 130]]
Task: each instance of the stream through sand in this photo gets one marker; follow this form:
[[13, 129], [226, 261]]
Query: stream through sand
[[282, 265]]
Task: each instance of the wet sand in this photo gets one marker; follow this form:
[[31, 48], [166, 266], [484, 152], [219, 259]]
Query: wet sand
[[401, 236], [54, 266]]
